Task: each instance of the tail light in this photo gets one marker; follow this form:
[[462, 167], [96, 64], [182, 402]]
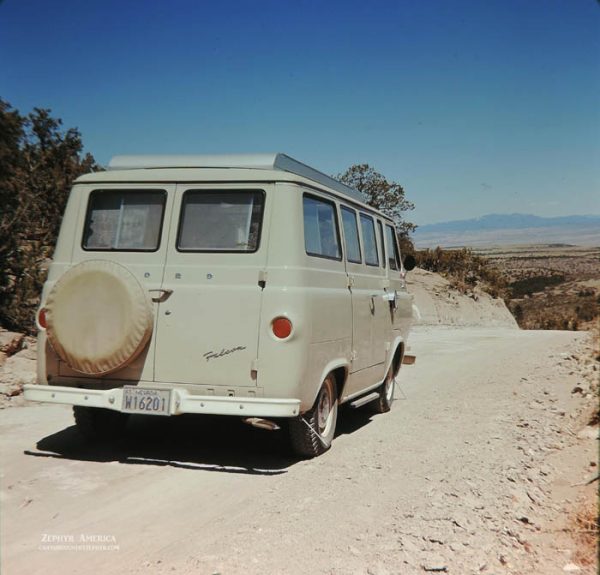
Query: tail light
[[281, 327], [41, 318]]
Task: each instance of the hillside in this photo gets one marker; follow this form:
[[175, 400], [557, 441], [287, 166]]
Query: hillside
[[440, 304]]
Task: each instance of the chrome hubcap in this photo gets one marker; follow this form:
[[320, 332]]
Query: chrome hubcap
[[323, 410], [389, 387]]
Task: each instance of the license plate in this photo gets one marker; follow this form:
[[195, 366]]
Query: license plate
[[149, 401]]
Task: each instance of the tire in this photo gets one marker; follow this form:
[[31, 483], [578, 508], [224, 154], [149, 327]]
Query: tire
[[96, 424], [311, 434], [386, 393]]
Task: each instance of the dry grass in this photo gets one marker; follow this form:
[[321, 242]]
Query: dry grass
[[550, 286], [464, 269], [585, 531]]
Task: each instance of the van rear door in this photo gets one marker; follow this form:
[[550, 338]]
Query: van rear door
[[125, 224], [207, 329]]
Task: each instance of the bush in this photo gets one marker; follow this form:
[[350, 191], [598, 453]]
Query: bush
[[530, 285], [463, 269], [38, 163]]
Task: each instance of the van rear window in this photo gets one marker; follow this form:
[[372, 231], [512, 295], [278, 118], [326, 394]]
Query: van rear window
[[220, 221], [124, 220]]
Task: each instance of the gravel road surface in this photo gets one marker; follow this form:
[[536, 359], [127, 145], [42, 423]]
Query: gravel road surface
[[471, 472]]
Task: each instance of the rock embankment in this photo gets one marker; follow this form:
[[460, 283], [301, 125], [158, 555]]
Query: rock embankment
[[441, 304], [17, 366]]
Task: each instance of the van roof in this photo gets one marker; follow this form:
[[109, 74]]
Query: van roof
[[271, 166]]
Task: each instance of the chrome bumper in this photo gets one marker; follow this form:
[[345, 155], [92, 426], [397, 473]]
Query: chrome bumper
[[181, 401]]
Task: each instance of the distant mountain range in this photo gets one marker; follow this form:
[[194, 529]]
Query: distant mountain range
[[510, 229]]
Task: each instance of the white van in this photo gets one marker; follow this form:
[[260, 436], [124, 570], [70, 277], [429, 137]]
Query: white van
[[252, 286]]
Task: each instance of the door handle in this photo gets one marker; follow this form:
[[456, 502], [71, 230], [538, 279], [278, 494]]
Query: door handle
[[389, 296], [164, 295]]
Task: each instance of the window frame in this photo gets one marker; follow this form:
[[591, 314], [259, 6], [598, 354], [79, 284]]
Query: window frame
[[100, 191], [396, 248], [337, 228], [382, 241], [258, 191], [354, 212]]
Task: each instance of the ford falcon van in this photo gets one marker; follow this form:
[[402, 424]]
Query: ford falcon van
[[250, 286]]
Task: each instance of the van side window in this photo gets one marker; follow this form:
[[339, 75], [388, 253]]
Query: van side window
[[220, 221], [124, 220], [351, 235], [321, 236], [382, 242], [370, 242], [393, 256]]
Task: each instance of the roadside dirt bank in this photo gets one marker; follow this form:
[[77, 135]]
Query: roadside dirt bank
[[441, 304], [476, 469]]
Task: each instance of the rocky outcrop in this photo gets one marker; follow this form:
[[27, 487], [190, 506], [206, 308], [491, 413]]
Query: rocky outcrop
[[440, 304], [17, 366]]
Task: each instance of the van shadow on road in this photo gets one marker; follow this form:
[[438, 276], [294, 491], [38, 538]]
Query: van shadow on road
[[204, 443]]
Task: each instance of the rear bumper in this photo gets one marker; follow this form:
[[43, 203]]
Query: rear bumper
[[181, 401]]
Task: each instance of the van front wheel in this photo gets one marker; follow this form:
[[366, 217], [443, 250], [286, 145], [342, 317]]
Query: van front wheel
[[386, 393], [311, 434]]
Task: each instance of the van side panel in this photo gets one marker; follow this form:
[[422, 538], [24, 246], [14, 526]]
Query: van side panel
[[313, 293]]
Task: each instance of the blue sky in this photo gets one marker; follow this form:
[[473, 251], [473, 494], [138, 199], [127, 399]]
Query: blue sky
[[474, 107]]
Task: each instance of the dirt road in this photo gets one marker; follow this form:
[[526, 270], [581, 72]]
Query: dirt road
[[470, 473]]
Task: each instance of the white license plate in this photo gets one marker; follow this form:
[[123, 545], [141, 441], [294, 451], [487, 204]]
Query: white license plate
[[149, 401]]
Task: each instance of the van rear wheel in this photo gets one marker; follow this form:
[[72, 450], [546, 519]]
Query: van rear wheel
[[95, 423], [311, 434]]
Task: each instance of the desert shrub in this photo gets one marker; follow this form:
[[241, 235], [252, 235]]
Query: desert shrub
[[527, 286], [38, 162], [586, 311], [463, 269], [554, 311]]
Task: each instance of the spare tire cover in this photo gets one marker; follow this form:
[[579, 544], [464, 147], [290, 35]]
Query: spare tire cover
[[99, 317]]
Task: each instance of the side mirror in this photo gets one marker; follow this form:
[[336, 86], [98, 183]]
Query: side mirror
[[409, 263]]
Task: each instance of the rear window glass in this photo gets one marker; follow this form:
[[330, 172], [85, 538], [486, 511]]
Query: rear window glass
[[351, 235], [124, 220], [320, 229], [220, 221], [370, 242]]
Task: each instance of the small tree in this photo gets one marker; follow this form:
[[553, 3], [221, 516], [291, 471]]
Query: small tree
[[11, 133], [38, 163], [389, 197]]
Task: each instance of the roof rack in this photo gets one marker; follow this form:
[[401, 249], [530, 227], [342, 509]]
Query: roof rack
[[279, 162]]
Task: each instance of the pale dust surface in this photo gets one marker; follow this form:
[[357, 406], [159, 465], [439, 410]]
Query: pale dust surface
[[461, 475]]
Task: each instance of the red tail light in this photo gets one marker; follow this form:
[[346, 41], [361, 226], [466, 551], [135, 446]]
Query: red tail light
[[41, 318], [282, 327]]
